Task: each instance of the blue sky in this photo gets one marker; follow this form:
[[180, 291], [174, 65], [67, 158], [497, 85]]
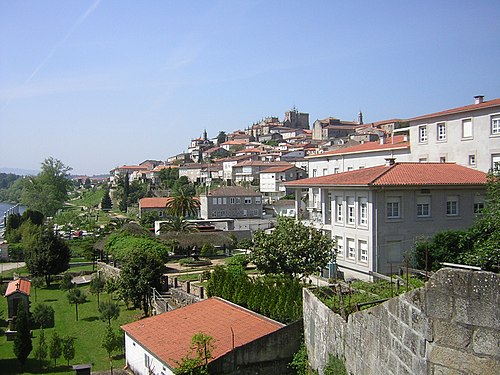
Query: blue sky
[[99, 84]]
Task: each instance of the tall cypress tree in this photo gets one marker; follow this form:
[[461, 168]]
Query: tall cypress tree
[[22, 341], [106, 202]]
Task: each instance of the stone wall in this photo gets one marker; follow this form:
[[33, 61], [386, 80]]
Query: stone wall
[[181, 298], [268, 355], [108, 270], [452, 326]]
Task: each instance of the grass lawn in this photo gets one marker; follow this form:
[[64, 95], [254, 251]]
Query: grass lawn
[[89, 331]]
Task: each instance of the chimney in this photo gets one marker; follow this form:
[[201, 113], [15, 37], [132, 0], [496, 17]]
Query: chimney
[[478, 99], [382, 140], [390, 161]]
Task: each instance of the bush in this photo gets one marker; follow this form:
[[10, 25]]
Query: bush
[[191, 262], [208, 250], [335, 366], [238, 260]]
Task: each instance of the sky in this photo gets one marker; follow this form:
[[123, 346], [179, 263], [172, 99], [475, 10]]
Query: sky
[[102, 83]]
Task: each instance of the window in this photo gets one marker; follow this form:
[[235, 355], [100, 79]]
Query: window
[[442, 159], [422, 134], [422, 160], [147, 360], [495, 124], [340, 246], [452, 205], [363, 211], [248, 200], [478, 207], [336, 170], [467, 128], [214, 200], [224, 200], [238, 200], [363, 251], [219, 200], [495, 162], [232, 200], [393, 209], [245, 213], [423, 206], [338, 210], [315, 172], [441, 131], [472, 159], [257, 200], [351, 249], [160, 213], [349, 169], [350, 211], [325, 171]]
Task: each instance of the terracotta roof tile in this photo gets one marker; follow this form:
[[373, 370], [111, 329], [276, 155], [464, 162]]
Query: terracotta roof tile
[[157, 202], [390, 144], [400, 174], [277, 169], [168, 335], [466, 108], [19, 285]]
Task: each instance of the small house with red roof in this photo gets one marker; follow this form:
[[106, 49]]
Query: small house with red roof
[[157, 344], [376, 214], [154, 204], [18, 292], [272, 180]]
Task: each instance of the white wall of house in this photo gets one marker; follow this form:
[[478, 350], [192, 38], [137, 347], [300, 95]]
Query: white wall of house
[[325, 165], [138, 357], [471, 139]]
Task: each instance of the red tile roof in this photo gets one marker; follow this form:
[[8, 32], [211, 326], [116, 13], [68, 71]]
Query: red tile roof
[[399, 174], [168, 335], [159, 202], [466, 108], [390, 144], [19, 285], [278, 169]]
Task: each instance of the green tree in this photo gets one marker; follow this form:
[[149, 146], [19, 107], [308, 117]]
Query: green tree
[[196, 361], [41, 350], [109, 343], [47, 191], [109, 310], [168, 176], [106, 203], [22, 340], [66, 282], [76, 297], [125, 190], [43, 315], [36, 283], [55, 347], [183, 202], [148, 218], [97, 284], [140, 272], [221, 137], [68, 348], [292, 249], [46, 254], [178, 225]]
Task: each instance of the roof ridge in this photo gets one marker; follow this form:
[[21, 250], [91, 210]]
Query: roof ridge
[[384, 172]]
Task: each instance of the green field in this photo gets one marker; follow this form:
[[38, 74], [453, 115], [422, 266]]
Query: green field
[[89, 331]]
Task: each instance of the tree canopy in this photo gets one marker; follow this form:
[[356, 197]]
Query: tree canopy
[[292, 249], [183, 202], [47, 191], [46, 254]]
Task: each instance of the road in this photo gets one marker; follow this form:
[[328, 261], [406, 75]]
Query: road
[[11, 266]]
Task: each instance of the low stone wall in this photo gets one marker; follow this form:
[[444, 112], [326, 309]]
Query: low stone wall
[[269, 355], [452, 326], [181, 298], [108, 270]]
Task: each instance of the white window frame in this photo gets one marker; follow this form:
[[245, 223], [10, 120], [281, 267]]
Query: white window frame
[[363, 251], [351, 211], [452, 208], [422, 134], [232, 200], [214, 200], [441, 131], [340, 246], [248, 200], [478, 207], [363, 211], [339, 209], [393, 208], [495, 125], [258, 200], [351, 249], [472, 159], [467, 129], [495, 162], [424, 206]]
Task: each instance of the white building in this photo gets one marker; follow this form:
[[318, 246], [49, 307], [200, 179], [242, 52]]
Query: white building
[[377, 214]]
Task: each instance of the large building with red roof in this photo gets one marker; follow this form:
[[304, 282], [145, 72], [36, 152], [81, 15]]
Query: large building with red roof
[[376, 214], [160, 342]]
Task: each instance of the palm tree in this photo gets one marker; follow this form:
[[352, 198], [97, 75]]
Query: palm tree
[[177, 224], [183, 203]]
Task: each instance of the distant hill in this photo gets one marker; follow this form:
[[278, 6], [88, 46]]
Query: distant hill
[[19, 171]]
